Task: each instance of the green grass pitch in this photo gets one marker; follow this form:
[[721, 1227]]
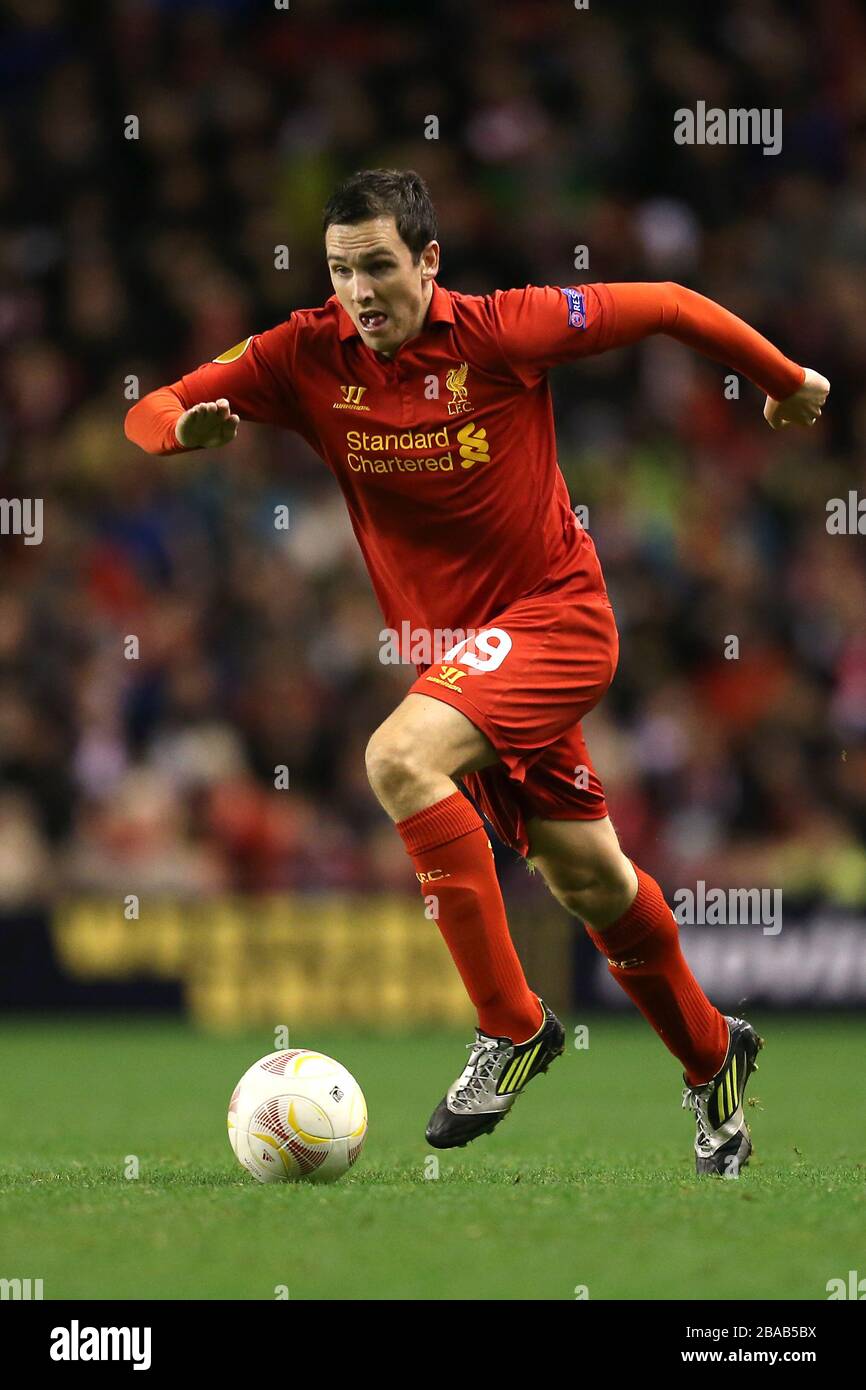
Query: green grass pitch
[[589, 1182]]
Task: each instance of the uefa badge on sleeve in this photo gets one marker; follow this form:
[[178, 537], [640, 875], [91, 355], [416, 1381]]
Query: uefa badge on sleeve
[[576, 308]]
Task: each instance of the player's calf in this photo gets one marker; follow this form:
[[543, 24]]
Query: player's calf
[[584, 868]]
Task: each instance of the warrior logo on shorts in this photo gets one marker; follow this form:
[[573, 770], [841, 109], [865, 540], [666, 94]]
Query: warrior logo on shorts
[[449, 676]]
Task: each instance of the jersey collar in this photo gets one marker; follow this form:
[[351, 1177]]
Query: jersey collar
[[440, 309]]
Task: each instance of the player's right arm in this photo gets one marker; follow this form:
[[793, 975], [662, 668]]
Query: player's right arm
[[252, 381]]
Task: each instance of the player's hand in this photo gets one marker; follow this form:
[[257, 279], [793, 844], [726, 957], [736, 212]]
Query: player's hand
[[803, 408], [207, 425]]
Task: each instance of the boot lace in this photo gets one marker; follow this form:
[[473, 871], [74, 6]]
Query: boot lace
[[697, 1098], [477, 1071]]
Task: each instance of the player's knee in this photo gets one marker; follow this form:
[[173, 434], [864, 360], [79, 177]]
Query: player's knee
[[392, 761], [576, 892], [580, 886]]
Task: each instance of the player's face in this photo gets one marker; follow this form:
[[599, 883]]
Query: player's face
[[385, 293]]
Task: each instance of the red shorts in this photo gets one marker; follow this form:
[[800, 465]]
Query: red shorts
[[526, 680]]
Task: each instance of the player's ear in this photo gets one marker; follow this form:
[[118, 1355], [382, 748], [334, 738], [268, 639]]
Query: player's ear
[[430, 261]]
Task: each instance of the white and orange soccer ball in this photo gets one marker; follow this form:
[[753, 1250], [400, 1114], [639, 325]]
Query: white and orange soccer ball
[[297, 1115]]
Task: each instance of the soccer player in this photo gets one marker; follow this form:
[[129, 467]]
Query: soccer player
[[432, 410]]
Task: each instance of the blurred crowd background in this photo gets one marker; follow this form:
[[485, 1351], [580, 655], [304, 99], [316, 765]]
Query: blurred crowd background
[[141, 258]]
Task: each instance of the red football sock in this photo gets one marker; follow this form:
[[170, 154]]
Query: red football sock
[[448, 844], [645, 959]]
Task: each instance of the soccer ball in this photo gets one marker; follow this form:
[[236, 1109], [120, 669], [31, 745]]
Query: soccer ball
[[297, 1114]]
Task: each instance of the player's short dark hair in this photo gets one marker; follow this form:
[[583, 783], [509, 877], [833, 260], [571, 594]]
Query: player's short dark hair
[[380, 192]]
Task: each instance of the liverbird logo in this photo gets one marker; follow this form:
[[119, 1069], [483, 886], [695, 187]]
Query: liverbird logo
[[456, 383]]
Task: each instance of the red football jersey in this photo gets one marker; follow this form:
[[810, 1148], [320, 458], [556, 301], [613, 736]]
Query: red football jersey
[[446, 453]]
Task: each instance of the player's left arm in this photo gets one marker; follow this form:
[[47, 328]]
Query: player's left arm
[[795, 394], [538, 327]]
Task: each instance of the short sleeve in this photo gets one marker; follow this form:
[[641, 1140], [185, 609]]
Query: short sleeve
[[541, 326]]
